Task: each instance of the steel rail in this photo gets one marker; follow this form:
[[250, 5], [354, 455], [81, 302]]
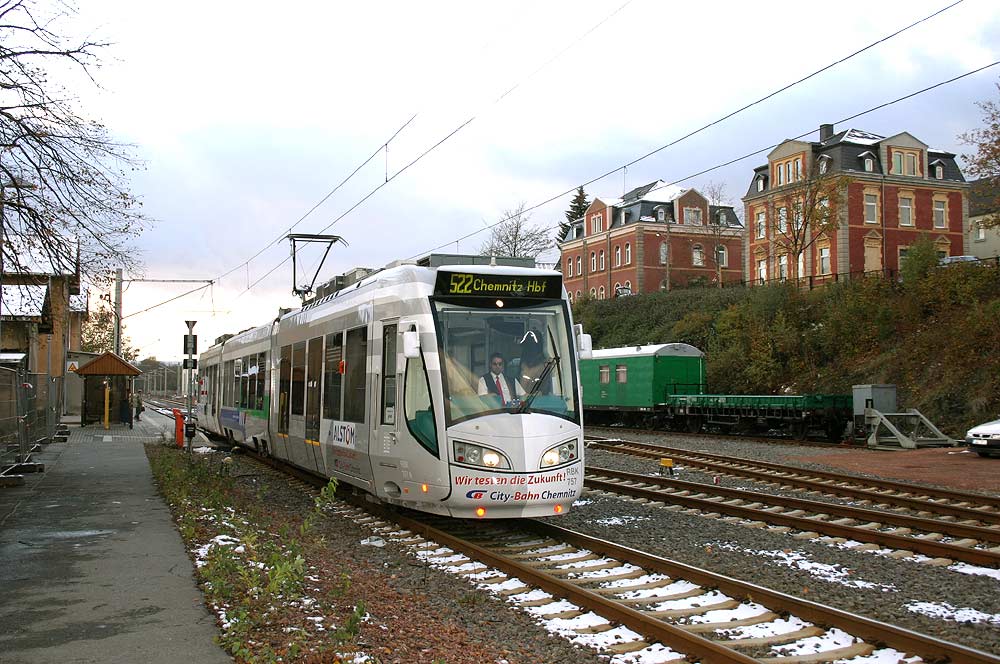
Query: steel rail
[[845, 511], [688, 643], [904, 487], [805, 524], [872, 631], [872, 495]]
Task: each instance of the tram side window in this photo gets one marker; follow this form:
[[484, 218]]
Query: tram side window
[[389, 374], [315, 360], [227, 383], [234, 378], [298, 378], [355, 396], [417, 405], [621, 373], [261, 380], [332, 378], [605, 373], [245, 385], [284, 387]]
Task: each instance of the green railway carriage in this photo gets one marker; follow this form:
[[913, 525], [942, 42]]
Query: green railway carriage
[[637, 378]]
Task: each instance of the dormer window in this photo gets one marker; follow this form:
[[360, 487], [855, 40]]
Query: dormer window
[[939, 172], [869, 164], [905, 162], [661, 214], [760, 184], [824, 165]]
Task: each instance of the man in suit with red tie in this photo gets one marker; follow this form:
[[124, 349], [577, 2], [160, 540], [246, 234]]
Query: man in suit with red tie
[[495, 382]]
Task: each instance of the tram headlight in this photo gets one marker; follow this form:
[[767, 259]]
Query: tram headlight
[[560, 454], [476, 455]]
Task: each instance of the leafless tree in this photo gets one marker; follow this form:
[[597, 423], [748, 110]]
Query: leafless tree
[[719, 229], [64, 197], [515, 237], [985, 163], [804, 212]]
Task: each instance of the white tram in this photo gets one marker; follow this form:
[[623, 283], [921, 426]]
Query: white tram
[[381, 385]]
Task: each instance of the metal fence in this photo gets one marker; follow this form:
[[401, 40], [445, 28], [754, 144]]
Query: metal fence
[[29, 407]]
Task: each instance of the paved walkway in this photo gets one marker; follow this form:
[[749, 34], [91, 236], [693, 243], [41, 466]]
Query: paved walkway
[[91, 566]]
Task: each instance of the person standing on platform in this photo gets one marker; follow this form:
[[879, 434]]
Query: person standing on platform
[[125, 409], [137, 404]]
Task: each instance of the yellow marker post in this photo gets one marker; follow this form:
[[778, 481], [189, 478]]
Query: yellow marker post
[[107, 406], [667, 466]]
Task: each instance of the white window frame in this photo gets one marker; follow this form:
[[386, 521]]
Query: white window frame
[[782, 220], [980, 232], [722, 255], [872, 207], [908, 207], [939, 172], [618, 255], [761, 225], [597, 223], [762, 270], [942, 207], [569, 267], [628, 253], [664, 253], [579, 265], [661, 214], [783, 267], [600, 293], [801, 264], [693, 217], [628, 285], [760, 184], [593, 261], [869, 164], [602, 260], [824, 260], [697, 256], [824, 164]]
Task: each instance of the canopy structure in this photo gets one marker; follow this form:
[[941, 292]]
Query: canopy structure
[[108, 364], [107, 385]]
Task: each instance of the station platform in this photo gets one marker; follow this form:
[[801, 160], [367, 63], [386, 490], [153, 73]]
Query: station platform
[[92, 568]]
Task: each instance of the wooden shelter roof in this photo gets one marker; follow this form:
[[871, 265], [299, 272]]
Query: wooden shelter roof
[[108, 364]]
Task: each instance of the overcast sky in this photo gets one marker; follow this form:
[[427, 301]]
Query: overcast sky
[[248, 114]]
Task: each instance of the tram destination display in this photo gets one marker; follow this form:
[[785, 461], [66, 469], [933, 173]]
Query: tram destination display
[[470, 284]]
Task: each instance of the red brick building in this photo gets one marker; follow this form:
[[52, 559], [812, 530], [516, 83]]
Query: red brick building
[[630, 244], [891, 191]]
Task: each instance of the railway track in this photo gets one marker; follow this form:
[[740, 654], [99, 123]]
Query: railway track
[[944, 542], [968, 508], [640, 604]]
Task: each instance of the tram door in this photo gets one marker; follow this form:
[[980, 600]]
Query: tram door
[[387, 464]]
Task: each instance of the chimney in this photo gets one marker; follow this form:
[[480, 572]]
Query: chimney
[[825, 132]]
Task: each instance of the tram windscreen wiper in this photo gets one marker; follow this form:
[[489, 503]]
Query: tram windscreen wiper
[[526, 402]]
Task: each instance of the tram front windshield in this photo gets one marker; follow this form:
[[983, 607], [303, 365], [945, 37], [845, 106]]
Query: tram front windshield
[[513, 361]]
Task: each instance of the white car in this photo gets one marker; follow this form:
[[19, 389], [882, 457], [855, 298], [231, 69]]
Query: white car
[[984, 439]]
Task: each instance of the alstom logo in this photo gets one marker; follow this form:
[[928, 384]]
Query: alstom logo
[[475, 494]]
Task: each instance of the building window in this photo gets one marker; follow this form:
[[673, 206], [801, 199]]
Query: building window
[[798, 169], [761, 225], [597, 223], [940, 214], [783, 267], [569, 267], [661, 214], [762, 270], [618, 256], [869, 164], [593, 293], [600, 293], [628, 285], [692, 216], [760, 184], [602, 260], [905, 211], [570, 295], [722, 256], [664, 253], [824, 260], [579, 266], [697, 256], [780, 173], [801, 265], [628, 253], [823, 165], [782, 220], [939, 172], [593, 262], [618, 286], [904, 162], [871, 208], [980, 232], [621, 373]]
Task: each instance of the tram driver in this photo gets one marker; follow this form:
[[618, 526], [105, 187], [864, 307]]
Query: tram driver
[[495, 381]]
